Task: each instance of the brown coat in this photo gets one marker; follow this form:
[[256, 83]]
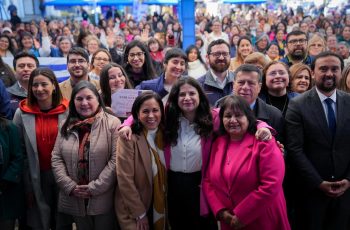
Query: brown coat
[[66, 87], [103, 140], [134, 172]]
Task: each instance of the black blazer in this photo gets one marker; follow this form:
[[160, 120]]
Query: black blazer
[[311, 152]]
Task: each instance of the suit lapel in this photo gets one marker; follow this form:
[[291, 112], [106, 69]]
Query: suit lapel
[[341, 107], [318, 114], [29, 127], [145, 156]]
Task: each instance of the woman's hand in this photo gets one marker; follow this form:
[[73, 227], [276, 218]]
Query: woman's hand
[[142, 224], [235, 223], [81, 191], [281, 147], [263, 134], [125, 133], [225, 216]]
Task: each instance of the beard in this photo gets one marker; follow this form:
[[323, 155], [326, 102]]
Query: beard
[[298, 54], [219, 66], [323, 86]]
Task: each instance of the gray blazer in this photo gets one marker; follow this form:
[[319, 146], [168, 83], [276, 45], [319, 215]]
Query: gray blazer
[[39, 215]]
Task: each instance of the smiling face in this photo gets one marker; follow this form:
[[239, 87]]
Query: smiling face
[[27, 42], [301, 81], [100, 60], [277, 79], [246, 85], [235, 123], [43, 88], [65, 46], [4, 43], [175, 67], [327, 74], [245, 48], [219, 63], [92, 46], [86, 103], [273, 52], [154, 47], [77, 66], [149, 114], [116, 79], [188, 100], [136, 57], [192, 55]]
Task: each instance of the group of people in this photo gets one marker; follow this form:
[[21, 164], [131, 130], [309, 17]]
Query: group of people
[[253, 141]]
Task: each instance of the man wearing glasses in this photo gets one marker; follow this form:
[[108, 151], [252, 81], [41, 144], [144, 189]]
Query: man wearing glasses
[[78, 68], [297, 49], [217, 82]]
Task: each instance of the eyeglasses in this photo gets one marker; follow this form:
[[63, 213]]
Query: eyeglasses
[[279, 72], [79, 61], [133, 55], [102, 59], [299, 41], [218, 54]]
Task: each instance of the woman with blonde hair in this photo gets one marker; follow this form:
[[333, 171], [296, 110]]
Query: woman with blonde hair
[[316, 45], [92, 44], [300, 78]]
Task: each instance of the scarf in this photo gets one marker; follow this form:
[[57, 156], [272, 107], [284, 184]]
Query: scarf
[[83, 128], [159, 183]]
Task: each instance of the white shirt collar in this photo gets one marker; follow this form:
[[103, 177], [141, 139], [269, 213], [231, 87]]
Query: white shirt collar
[[323, 97]]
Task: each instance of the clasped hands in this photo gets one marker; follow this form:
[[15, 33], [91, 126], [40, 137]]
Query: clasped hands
[[81, 191], [336, 188], [230, 219]]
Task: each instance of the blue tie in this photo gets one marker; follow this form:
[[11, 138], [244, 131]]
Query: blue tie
[[331, 116]]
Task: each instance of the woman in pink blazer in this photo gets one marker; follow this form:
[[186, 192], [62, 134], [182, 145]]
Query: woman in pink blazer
[[243, 182]]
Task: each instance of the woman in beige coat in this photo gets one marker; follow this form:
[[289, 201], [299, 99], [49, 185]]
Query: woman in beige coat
[[83, 160], [140, 196]]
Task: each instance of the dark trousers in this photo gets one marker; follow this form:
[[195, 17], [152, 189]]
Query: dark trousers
[[184, 202], [320, 212]]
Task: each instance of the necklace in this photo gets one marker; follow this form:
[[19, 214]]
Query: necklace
[[284, 105]]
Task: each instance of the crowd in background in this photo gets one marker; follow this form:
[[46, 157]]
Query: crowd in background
[[208, 144]]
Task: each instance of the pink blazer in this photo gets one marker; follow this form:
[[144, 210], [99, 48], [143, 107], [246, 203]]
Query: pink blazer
[[206, 144], [253, 188]]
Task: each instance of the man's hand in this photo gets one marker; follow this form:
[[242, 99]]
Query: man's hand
[[334, 189]]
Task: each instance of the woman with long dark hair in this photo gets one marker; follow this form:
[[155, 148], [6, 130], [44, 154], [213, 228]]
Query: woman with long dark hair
[[113, 77], [196, 65], [138, 63], [38, 118]]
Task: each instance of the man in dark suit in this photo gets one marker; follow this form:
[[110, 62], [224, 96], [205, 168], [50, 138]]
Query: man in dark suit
[[247, 84], [318, 128]]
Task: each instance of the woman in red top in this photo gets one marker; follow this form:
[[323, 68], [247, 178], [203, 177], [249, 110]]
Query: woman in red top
[[155, 50], [38, 118]]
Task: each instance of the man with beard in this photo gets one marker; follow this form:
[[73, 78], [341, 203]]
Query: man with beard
[[217, 82], [78, 67], [317, 128], [297, 49], [23, 63]]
